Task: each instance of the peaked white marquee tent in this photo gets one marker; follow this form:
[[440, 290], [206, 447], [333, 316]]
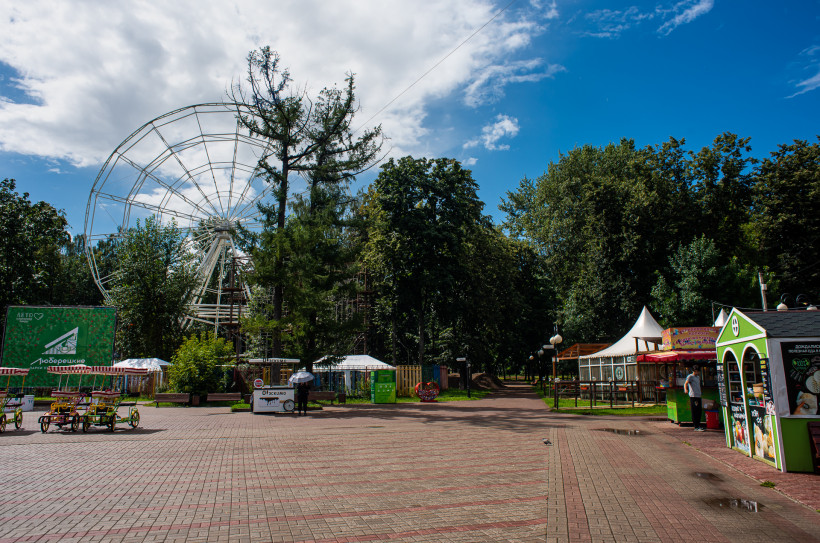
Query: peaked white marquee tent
[[351, 363], [619, 360], [154, 366]]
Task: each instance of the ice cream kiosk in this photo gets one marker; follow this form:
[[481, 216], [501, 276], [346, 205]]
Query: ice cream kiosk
[[768, 375]]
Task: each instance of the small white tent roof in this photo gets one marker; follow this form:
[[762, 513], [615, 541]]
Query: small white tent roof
[[153, 364], [646, 329], [355, 362], [721, 319]]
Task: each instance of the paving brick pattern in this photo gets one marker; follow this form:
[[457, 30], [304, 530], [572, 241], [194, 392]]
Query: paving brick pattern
[[455, 472]]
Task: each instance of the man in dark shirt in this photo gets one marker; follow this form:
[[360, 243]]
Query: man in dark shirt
[[692, 387], [302, 391]]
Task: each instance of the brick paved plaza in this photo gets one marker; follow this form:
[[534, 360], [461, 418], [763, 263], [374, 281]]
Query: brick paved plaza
[[460, 471]]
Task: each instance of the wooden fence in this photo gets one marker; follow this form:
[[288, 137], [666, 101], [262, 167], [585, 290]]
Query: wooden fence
[[407, 377]]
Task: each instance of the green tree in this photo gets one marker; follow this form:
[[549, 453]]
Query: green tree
[[195, 367], [155, 277], [309, 137], [598, 218], [419, 213], [786, 222], [722, 185], [75, 283], [31, 237]]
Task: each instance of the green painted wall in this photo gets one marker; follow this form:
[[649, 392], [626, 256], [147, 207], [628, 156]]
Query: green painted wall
[[796, 437]]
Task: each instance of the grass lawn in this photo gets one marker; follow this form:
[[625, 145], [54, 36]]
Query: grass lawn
[[567, 405], [449, 395]]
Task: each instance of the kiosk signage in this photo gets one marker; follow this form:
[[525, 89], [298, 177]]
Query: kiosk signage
[[802, 364], [276, 399]]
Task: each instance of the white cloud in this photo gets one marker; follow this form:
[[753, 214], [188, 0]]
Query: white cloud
[[611, 23], [471, 161], [488, 86], [93, 72], [685, 12], [504, 126], [811, 62]]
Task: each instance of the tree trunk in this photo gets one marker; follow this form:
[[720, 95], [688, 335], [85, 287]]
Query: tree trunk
[[279, 289], [421, 329]]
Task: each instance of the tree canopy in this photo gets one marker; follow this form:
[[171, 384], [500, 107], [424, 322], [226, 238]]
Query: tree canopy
[[32, 236], [156, 274], [311, 137]]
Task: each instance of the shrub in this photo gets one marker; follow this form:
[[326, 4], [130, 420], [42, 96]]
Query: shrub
[[195, 364]]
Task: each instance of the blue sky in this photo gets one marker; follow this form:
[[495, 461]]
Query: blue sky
[[502, 87]]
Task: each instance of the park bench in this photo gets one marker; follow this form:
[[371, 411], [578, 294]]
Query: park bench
[[814, 443], [316, 395], [224, 396], [172, 397]]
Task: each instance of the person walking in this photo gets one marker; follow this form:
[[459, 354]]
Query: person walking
[[692, 387], [302, 392]]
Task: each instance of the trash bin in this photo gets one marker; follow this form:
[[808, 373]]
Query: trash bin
[[712, 421]]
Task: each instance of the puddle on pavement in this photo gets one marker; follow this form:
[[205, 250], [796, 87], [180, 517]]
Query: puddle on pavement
[[622, 432], [708, 476], [736, 504]]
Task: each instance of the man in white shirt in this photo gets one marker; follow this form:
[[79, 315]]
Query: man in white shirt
[[692, 387]]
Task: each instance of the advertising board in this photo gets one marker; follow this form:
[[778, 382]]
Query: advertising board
[[802, 364], [273, 399], [40, 336], [692, 338]]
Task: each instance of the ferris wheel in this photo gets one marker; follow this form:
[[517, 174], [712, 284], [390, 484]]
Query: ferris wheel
[[198, 167]]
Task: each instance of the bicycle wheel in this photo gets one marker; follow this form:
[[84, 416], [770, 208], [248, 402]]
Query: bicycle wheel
[[135, 418], [44, 423], [18, 418]]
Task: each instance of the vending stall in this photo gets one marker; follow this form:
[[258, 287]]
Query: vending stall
[[383, 386], [768, 376], [681, 350]]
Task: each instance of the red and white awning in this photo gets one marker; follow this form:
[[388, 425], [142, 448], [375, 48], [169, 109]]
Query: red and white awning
[[13, 371], [76, 369], [677, 356], [116, 370]]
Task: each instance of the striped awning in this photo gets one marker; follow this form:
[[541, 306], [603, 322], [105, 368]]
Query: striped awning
[[677, 356], [76, 369], [13, 371], [116, 370]]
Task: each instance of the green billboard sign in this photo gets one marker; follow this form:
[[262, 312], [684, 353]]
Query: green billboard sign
[[38, 337]]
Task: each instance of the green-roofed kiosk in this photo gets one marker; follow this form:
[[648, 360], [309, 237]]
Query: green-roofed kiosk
[[769, 385]]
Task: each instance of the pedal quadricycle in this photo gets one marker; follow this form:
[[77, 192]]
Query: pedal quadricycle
[[11, 402], [106, 402], [63, 411]]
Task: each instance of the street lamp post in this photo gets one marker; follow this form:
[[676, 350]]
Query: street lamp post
[[467, 370], [555, 340]]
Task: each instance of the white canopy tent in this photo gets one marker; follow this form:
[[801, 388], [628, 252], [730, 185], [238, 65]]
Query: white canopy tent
[[153, 365], [618, 361], [351, 363]]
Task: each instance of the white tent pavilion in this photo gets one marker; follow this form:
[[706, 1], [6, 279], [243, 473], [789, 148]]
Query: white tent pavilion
[[619, 360], [154, 366], [350, 363]]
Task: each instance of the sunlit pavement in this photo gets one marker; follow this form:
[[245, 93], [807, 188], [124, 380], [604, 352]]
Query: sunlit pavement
[[458, 471]]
